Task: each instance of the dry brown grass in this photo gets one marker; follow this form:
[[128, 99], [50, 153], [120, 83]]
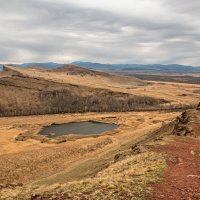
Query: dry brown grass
[[126, 179], [60, 167], [168, 91], [24, 95], [24, 162]]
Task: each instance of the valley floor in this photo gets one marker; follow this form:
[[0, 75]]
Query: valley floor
[[32, 163], [180, 180], [112, 166], [108, 166]]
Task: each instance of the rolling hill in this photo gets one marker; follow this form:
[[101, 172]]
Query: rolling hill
[[78, 75], [38, 91]]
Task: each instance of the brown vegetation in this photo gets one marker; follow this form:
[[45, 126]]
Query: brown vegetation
[[166, 78], [116, 165], [74, 75], [22, 95], [31, 160], [130, 173], [115, 78], [77, 70]]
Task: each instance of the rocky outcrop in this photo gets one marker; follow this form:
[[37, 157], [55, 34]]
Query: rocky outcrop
[[10, 70], [198, 107], [182, 125]]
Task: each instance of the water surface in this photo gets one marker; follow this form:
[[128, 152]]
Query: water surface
[[80, 128]]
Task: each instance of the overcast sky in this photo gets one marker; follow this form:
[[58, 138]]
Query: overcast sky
[[107, 31]]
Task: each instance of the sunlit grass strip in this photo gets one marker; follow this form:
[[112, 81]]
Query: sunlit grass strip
[[126, 179]]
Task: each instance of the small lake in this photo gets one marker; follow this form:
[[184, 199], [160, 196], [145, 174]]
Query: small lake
[[80, 128]]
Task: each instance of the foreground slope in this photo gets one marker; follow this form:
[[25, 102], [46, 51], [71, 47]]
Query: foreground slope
[[163, 164], [34, 164], [182, 178]]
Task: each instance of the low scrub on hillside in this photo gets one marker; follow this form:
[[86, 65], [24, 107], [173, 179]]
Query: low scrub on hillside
[[33, 96]]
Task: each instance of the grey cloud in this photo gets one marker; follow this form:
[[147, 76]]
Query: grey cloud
[[44, 30], [185, 7]]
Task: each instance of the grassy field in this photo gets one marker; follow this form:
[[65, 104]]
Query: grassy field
[[21, 158], [126, 179], [113, 169], [167, 78], [75, 167]]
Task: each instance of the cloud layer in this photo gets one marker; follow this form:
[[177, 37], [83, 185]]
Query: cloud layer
[[128, 31]]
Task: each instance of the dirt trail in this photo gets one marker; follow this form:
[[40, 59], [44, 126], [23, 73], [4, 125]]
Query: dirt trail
[[182, 178], [181, 181]]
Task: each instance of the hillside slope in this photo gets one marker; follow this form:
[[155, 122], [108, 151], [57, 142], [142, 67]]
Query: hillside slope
[[77, 75], [181, 180], [160, 165], [115, 78], [174, 93], [24, 94]]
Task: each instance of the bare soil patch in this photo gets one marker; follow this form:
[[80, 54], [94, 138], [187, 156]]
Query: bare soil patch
[[181, 181]]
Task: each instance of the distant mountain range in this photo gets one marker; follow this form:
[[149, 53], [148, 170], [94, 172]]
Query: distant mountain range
[[139, 67], [170, 68]]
